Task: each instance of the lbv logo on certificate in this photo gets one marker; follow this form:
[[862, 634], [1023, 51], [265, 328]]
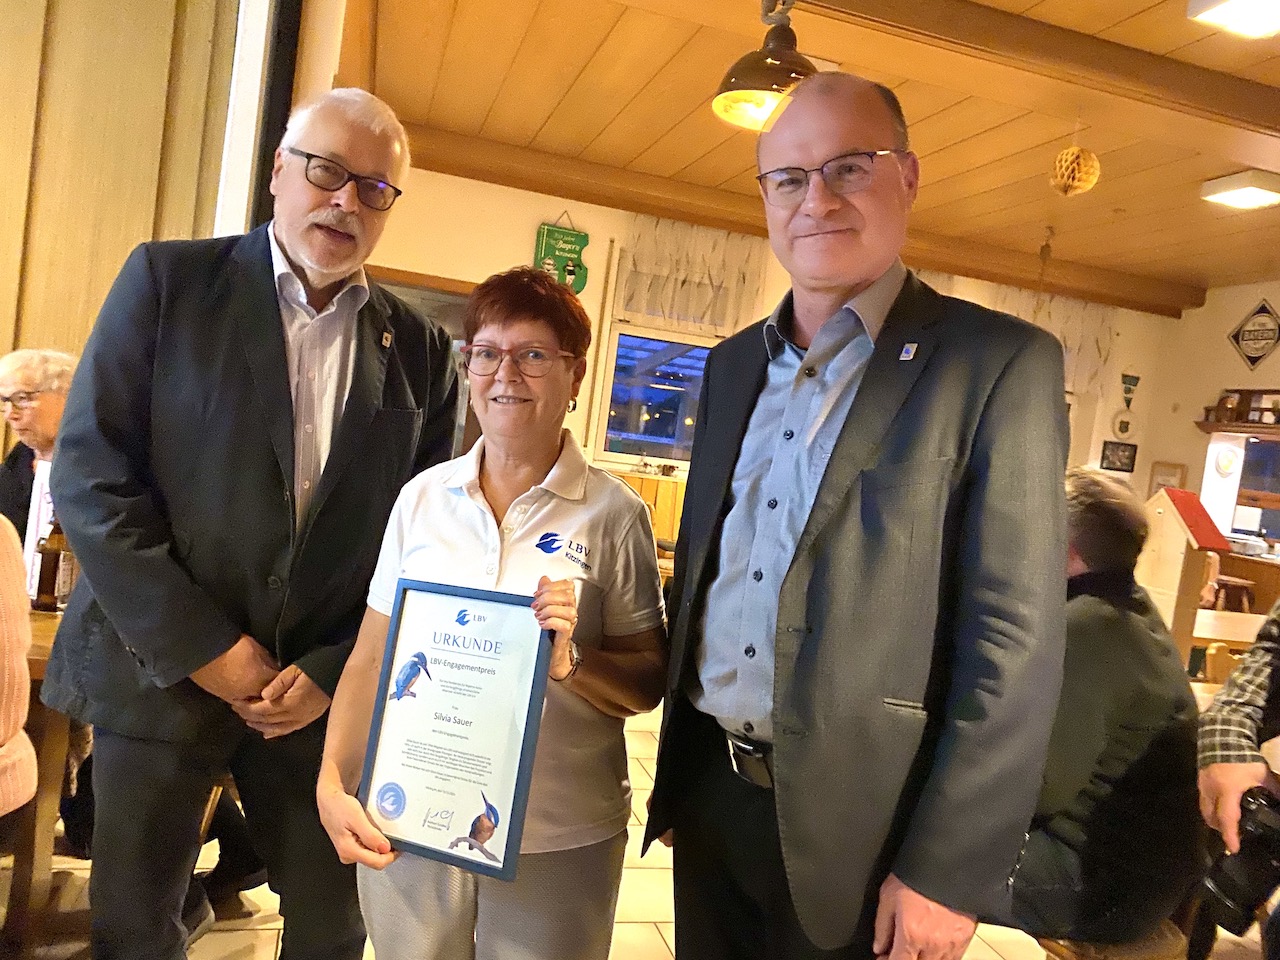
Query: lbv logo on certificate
[[451, 746]]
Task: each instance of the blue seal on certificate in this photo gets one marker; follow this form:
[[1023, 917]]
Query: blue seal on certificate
[[391, 800]]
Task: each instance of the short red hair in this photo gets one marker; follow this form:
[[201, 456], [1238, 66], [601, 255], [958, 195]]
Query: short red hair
[[526, 293]]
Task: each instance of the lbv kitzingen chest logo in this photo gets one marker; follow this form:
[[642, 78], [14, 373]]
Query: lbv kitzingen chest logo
[[572, 550]]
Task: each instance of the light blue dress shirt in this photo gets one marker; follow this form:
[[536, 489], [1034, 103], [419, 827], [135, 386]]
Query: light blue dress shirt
[[798, 416]]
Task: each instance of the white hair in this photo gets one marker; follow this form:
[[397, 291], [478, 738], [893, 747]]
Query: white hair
[[51, 369], [357, 106]]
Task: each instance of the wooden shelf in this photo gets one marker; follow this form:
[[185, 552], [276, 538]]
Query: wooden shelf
[[1265, 431]]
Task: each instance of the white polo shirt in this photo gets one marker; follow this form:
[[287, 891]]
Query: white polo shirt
[[579, 524]]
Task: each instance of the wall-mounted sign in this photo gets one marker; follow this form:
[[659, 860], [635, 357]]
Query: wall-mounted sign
[[1256, 335], [1122, 425], [1129, 381], [559, 252]]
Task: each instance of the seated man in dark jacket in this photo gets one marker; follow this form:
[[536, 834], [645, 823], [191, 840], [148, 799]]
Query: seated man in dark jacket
[[1116, 842]]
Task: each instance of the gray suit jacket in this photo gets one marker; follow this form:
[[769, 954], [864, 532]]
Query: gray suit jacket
[[920, 625], [173, 480]]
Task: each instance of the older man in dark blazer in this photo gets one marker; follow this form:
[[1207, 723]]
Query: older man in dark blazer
[[244, 416], [867, 605]]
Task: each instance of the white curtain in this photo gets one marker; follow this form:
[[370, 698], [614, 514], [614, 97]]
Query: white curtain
[[689, 279]]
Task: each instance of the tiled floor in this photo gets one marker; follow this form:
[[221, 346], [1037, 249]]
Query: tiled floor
[[643, 928]]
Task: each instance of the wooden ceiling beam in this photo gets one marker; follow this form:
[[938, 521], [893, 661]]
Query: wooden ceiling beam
[[1060, 72], [587, 182]]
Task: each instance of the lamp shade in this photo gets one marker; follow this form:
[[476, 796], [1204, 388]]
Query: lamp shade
[[757, 82], [1249, 190]]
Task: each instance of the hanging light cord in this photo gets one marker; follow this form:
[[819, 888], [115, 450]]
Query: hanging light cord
[[776, 12]]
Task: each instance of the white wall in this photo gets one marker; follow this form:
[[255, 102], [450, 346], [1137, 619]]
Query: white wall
[[1198, 363]]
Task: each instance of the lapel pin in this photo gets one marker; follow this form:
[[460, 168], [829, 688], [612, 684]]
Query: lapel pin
[[386, 340], [908, 351]]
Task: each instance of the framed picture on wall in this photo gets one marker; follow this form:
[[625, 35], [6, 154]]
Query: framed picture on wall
[[1166, 474], [1118, 456]]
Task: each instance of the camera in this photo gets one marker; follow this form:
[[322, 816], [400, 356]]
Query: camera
[[1239, 884]]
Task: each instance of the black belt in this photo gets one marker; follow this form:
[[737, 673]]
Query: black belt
[[751, 760]]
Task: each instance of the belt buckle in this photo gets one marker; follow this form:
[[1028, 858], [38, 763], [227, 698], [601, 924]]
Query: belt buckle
[[749, 761]]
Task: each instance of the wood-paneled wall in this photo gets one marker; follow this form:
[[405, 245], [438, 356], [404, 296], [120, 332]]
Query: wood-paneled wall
[[110, 134], [665, 498]]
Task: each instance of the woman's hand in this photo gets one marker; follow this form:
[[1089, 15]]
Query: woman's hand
[[353, 834], [556, 606]]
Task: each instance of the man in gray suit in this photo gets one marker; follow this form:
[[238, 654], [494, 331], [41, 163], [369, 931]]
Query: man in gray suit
[[867, 607], [242, 420]]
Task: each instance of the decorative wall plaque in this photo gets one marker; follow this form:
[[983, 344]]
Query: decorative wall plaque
[[1256, 335]]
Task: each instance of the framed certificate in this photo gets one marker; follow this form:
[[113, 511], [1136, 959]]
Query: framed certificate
[[450, 754]]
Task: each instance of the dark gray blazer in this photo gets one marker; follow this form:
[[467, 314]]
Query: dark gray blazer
[[174, 476], [920, 625]]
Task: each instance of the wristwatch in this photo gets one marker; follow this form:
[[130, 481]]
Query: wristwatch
[[575, 661]]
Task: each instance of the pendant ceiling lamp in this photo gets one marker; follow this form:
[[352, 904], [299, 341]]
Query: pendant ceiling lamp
[[754, 86]]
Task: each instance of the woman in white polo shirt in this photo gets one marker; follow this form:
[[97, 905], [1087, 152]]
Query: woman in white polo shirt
[[521, 513]]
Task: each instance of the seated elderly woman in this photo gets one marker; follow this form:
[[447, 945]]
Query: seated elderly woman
[[477, 522], [33, 389]]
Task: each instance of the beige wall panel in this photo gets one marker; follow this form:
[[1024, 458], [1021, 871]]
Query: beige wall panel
[[221, 61], [1009, 6], [1086, 16], [1228, 53], [681, 88], [411, 36], [922, 100], [692, 138], [356, 52], [184, 121], [997, 144], [483, 42], [21, 43], [731, 159], [102, 115], [1268, 72], [1159, 29], [637, 50], [556, 49], [966, 119]]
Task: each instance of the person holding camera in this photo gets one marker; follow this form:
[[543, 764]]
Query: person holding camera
[[1242, 716]]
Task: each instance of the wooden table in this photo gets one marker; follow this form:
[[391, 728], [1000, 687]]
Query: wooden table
[[1236, 630], [33, 852]]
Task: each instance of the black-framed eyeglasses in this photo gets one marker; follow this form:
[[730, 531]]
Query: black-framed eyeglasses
[[484, 360], [332, 176], [21, 399], [845, 175]]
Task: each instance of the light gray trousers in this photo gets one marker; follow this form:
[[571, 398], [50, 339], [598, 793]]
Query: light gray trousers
[[560, 907]]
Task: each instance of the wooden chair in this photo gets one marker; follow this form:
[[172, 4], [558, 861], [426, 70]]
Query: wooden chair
[[1219, 661]]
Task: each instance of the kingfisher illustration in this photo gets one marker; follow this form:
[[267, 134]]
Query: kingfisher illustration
[[408, 676], [483, 828]]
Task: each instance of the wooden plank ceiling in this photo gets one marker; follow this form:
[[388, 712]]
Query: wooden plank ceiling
[[608, 101]]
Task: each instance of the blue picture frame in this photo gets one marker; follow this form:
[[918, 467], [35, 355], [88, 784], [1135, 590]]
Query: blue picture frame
[[532, 709]]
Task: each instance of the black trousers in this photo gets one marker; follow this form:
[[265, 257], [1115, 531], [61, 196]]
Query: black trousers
[[731, 895], [150, 795], [1055, 895]]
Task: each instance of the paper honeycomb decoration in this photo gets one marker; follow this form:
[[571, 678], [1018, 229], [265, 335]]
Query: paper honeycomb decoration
[[1075, 171]]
